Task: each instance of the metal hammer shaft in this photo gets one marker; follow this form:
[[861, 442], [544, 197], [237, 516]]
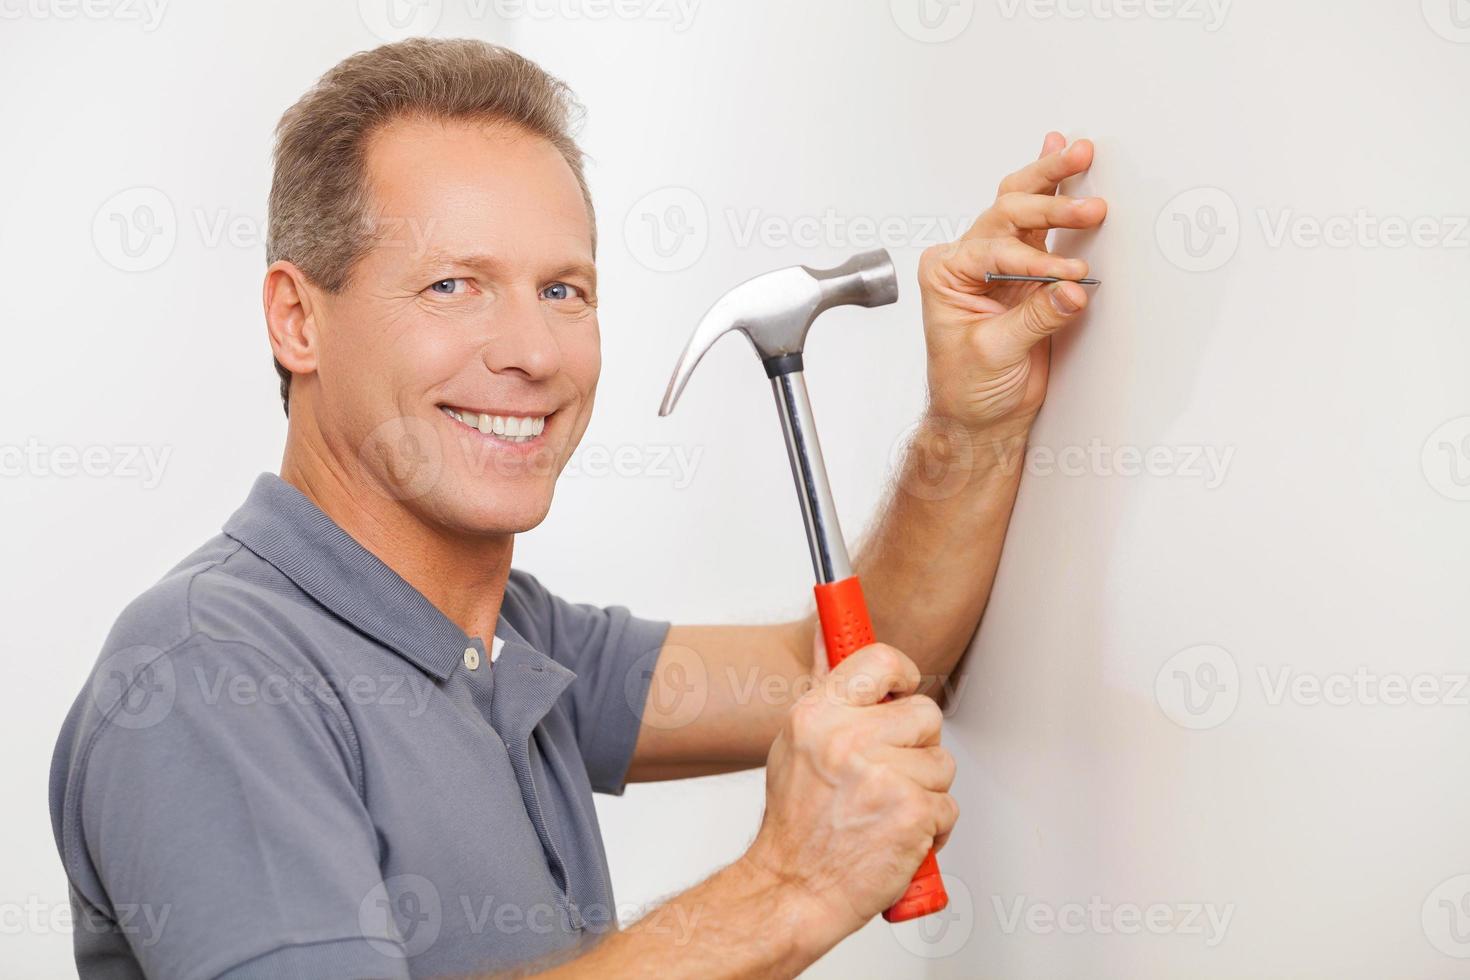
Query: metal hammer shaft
[[823, 534]]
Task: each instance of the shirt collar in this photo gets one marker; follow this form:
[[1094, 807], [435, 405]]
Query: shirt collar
[[278, 523]]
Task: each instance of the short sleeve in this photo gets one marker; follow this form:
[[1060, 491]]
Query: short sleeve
[[215, 814], [612, 652]]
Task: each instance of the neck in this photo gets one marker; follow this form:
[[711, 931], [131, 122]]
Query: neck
[[463, 575]]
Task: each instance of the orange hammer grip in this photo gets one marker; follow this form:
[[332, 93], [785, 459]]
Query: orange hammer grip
[[846, 627]]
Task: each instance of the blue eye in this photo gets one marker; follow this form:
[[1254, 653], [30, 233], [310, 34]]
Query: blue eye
[[557, 290], [450, 283]]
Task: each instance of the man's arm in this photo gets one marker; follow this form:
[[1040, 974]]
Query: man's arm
[[857, 792], [720, 692]]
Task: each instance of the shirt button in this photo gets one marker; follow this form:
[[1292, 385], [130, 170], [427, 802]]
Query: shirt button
[[471, 658]]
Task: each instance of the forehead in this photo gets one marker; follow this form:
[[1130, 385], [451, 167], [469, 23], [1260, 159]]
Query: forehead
[[478, 185]]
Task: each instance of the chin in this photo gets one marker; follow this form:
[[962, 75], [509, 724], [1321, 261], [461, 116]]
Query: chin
[[504, 509]]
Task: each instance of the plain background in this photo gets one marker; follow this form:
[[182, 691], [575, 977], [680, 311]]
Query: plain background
[[1214, 724]]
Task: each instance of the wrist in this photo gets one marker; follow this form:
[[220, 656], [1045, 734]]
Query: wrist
[[946, 455], [799, 927], [1009, 431]]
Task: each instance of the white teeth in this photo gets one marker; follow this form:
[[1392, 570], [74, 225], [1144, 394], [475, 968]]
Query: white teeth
[[511, 428]]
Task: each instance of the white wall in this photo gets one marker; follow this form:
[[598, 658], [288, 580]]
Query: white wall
[[1324, 543]]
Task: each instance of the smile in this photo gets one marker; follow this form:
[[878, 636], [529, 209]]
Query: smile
[[510, 428]]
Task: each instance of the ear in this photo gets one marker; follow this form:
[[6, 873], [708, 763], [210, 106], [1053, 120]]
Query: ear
[[290, 307]]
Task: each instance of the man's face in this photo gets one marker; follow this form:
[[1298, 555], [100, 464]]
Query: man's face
[[459, 365]]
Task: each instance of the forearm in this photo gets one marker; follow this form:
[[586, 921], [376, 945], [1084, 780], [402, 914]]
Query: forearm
[[929, 561], [741, 922]]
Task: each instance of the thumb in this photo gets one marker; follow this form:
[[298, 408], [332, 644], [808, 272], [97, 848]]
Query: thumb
[[1043, 313]]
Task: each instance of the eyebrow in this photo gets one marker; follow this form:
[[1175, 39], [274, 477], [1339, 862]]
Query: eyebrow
[[491, 263]]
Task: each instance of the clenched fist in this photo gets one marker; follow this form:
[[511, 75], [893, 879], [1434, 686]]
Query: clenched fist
[[857, 789]]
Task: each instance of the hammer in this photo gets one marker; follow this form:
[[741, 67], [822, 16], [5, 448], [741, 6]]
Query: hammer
[[775, 311]]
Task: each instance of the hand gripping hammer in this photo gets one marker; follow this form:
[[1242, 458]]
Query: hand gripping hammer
[[775, 311]]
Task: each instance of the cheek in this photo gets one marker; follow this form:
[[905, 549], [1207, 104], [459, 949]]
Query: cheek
[[583, 359], [389, 361]]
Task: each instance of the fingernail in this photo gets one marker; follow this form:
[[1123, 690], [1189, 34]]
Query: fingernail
[[1061, 300]]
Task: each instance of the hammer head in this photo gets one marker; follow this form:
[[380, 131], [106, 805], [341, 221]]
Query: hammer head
[[775, 310]]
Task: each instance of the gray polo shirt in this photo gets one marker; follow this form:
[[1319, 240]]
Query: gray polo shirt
[[289, 763]]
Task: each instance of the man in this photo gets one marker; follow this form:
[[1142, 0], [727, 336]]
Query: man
[[345, 738]]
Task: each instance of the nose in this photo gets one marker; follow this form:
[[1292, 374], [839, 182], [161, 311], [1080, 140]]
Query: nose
[[520, 341]]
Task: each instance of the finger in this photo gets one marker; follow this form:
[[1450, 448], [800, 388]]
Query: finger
[[1022, 212], [947, 814], [969, 259], [871, 674], [909, 722], [1043, 176], [931, 766], [1053, 143], [1043, 313]]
